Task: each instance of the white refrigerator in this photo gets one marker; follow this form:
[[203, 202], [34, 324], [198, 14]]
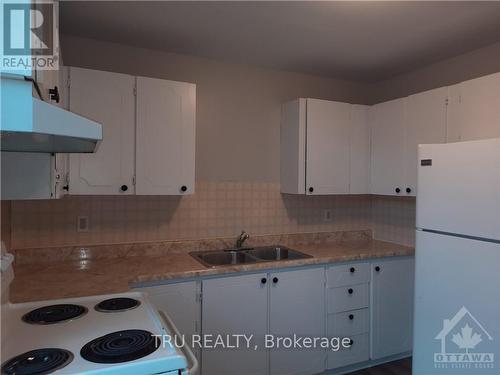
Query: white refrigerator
[[457, 259]]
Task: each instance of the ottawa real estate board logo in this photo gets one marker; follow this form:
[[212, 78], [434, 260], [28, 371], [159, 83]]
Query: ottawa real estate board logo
[[30, 39], [464, 344]]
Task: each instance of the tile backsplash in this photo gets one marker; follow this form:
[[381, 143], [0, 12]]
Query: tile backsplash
[[394, 219], [218, 209]]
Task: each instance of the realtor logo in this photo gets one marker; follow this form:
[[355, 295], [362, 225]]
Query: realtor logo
[[463, 340], [29, 36]]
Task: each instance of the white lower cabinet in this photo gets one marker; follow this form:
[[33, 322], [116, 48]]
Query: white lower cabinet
[[348, 302], [279, 304], [370, 303], [235, 305], [359, 351], [392, 306], [181, 301], [297, 306]]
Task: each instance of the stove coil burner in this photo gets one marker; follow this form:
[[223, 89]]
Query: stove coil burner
[[54, 314], [37, 362], [120, 346], [117, 304]]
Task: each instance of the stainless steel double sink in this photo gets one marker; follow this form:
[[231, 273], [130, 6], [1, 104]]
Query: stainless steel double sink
[[248, 255]]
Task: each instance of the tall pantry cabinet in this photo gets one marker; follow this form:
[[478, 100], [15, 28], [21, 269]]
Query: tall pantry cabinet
[[148, 144]]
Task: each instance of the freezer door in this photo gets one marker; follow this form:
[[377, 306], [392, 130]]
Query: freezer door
[[459, 188], [457, 306]]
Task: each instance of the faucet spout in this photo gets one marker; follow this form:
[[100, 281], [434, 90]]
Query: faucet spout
[[241, 239]]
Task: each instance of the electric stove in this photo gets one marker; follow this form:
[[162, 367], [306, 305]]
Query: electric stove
[[105, 335]]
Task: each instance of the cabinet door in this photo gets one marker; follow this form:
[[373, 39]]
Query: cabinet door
[[474, 109], [392, 306], [327, 147], [297, 306], [107, 98], [359, 153], [388, 147], [180, 301], [235, 305], [425, 123], [165, 137]]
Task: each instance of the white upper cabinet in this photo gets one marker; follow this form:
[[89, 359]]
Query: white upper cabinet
[[388, 147], [318, 139], [474, 109], [148, 144], [398, 127], [107, 98], [165, 142], [425, 123], [359, 152], [327, 147]]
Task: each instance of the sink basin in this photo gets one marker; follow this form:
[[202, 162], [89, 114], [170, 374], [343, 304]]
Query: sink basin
[[223, 258], [246, 255], [277, 253]]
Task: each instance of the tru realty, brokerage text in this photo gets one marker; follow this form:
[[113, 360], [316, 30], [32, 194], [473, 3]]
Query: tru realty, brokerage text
[[250, 341]]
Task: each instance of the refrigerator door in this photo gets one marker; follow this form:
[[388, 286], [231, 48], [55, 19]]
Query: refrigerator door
[[457, 306], [459, 188]]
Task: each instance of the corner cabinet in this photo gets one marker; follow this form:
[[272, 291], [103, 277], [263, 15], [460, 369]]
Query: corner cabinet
[[474, 109], [148, 144], [397, 128], [324, 148]]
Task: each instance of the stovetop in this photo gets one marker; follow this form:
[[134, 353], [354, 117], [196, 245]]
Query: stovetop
[[107, 334]]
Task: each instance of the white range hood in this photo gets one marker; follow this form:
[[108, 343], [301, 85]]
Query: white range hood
[[32, 125]]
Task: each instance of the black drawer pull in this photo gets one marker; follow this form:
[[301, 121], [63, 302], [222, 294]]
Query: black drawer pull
[[351, 317], [352, 269], [350, 291], [263, 280]]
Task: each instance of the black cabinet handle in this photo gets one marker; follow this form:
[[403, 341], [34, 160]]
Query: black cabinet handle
[[351, 342], [408, 190], [311, 189], [124, 188], [352, 269], [377, 269], [351, 317], [263, 280], [275, 280], [398, 190], [65, 187], [184, 188], [54, 94], [350, 291]]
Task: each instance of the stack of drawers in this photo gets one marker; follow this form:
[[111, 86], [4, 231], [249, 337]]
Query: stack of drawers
[[348, 300]]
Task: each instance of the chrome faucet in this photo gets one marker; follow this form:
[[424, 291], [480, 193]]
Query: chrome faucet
[[242, 238]]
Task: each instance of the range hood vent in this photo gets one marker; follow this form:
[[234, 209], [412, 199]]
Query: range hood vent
[[32, 125]]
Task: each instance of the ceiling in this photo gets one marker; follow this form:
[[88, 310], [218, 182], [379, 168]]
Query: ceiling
[[356, 40]]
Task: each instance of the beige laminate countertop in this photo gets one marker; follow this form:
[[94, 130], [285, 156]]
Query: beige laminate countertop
[[44, 281]]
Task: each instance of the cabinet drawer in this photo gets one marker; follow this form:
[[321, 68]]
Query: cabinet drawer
[[348, 298], [348, 274], [349, 323], [357, 352]]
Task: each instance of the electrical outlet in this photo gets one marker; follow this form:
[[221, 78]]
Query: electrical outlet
[[82, 224], [327, 215]]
